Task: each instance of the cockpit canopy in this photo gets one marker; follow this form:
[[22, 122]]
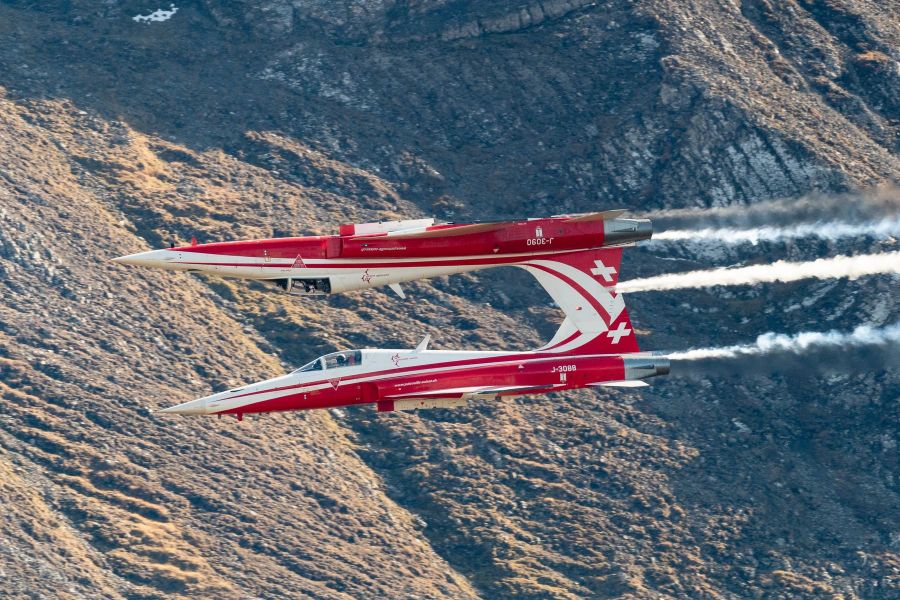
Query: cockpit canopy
[[335, 360]]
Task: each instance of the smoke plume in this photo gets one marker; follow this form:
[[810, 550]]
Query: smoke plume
[[852, 207], [829, 230], [824, 268], [864, 335], [801, 356]]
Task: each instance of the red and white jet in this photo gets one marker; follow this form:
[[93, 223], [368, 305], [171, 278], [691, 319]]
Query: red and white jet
[[389, 253], [595, 345]]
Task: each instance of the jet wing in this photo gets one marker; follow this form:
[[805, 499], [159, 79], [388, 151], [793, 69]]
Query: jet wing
[[474, 391], [455, 230], [632, 383], [594, 216], [452, 231]]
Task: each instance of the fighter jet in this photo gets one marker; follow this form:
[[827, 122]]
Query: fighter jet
[[370, 255], [594, 346]]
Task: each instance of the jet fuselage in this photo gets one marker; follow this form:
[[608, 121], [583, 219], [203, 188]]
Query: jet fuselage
[[377, 254], [409, 379]]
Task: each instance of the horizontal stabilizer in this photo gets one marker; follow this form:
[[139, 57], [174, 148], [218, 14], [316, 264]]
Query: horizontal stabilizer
[[628, 383]]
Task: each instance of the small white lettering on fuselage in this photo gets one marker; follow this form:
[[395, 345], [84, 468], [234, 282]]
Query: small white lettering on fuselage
[[564, 368], [382, 249], [539, 241]]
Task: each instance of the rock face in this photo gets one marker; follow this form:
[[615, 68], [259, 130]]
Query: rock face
[[253, 118]]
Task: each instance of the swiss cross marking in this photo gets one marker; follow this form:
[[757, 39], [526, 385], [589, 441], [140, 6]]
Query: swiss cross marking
[[619, 333], [603, 271]]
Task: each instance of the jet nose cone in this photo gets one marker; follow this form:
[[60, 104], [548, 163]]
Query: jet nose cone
[[194, 407], [132, 259], [152, 258]]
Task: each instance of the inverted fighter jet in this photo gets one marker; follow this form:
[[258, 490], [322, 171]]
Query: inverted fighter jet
[[594, 346], [388, 253]]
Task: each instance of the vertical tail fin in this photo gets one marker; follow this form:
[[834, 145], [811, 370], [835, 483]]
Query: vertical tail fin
[[583, 285]]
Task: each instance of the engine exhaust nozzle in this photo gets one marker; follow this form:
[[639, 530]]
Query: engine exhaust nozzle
[[617, 232], [642, 368]]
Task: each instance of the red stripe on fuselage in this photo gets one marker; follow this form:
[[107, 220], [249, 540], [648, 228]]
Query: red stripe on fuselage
[[427, 368], [400, 370], [447, 262], [568, 372], [498, 259], [310, 247]]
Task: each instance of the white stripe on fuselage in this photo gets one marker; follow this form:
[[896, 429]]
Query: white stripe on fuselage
[[374, 361], [355, 375]]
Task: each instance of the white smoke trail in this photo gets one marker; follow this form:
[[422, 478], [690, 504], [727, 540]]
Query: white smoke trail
[[830, 230], [860, 205], [778, 342], [824, 268]]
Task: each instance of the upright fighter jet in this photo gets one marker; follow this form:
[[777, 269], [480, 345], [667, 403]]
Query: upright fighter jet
[[595, 345], [377, 254]]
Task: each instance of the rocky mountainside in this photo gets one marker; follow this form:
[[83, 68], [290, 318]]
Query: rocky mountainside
[[262, 117]]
